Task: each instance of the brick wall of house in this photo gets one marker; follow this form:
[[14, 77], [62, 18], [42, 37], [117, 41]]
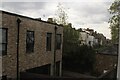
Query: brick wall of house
[[40, 56], [105, 62]]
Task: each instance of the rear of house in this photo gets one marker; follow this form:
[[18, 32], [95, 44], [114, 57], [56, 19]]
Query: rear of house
[[28, 43]]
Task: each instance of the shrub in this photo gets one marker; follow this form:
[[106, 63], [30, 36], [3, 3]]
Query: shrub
[[80, 59]]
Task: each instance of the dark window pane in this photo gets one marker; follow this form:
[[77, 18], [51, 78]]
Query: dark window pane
[[58, 41], [0, 49], [48, 41], [4, 46], [0, 35], [3, 41], [30, 41]]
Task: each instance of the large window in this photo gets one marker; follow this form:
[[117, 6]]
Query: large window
[[48, 41], [58, 41], [30, 41], [3, 41]]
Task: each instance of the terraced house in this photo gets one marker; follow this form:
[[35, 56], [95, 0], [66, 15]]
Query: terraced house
[[29, 45]]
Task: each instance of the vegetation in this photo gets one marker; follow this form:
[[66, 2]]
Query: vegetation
[[70, 39], [61, 15], [114, 21], [81, 59], [75, 57]]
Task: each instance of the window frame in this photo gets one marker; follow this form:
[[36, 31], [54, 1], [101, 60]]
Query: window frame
[[49, 47], [6, 43], [58, 45], [27, 49]]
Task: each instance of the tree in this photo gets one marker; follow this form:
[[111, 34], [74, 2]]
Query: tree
[[70, 39], [61, 15], [114, 21], [73, 53], [82, 59], [70, 35]]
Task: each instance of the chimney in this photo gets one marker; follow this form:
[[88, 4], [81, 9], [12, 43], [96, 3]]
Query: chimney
[[70, 24], [38, 19], [50, 20]]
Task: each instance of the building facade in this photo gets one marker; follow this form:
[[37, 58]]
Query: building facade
[[83, 37], [87, 38], [90, 40], [28, 43]]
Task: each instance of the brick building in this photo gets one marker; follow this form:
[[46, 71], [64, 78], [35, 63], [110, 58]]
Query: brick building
[[28, 44], [105, 62]]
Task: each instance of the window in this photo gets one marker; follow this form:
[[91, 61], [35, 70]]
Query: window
[[89, 42], [48, 41], [3, 41], [4, 77], [58, 41], [30, 41]]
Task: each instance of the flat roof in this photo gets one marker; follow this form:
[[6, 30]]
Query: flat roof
[[14, 14]]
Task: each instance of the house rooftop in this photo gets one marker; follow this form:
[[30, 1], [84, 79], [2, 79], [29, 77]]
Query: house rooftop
[[36, 19]]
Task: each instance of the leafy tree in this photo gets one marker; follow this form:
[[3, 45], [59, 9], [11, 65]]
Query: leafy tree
[[61, 15], [70, 35], [70, 39], [82, 59], [74, 55], [114, 21]]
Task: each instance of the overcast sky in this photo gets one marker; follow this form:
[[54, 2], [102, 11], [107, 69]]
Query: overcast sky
[[82, 14]]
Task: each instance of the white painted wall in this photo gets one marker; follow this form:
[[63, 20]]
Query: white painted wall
[[95, 41], [101, 42], [83, 37], [91, 40]]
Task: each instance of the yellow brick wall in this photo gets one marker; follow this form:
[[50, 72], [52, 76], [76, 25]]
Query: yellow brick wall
[[40, 56]]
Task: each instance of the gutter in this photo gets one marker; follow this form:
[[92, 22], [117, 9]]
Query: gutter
[[17, 56], [55, 52], [118, 61]]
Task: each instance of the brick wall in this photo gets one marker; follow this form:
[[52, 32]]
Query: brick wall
[[40, 56], [105, 62]]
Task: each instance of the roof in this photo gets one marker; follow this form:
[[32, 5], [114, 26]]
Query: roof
[[110, 50], [14, 14]]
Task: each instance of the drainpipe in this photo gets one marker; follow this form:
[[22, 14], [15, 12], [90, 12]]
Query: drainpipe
[[18, 27], [118, 65], [55, 52]]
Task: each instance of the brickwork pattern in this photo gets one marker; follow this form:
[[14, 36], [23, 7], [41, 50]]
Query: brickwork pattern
[[28, 60]]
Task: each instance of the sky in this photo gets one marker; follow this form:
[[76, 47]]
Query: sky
[[91, 14]]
